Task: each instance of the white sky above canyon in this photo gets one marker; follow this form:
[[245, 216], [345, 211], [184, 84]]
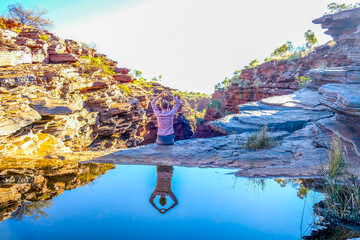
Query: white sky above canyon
[[193, 44]]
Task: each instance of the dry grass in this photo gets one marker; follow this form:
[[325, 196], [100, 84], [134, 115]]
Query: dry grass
[[342, 190], [260, 140]]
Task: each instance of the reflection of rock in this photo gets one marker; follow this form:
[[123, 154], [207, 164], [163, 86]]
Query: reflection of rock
[[332, 231], [41, 180]]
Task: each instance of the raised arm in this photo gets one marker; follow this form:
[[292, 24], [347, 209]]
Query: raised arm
[[177, 106], [153, 105]]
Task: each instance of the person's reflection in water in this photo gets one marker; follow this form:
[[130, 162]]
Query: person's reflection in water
[[163, 188]]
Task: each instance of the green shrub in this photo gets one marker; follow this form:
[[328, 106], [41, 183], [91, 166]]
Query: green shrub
[[260, 140], [336, 159], [2, 25], [93, 64], [215, 104], [125, 89], [252, 64], [302, 81], [44, 37]]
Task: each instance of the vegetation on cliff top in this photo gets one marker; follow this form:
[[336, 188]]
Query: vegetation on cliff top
[[336, 7], [284, 52], [31, 17]]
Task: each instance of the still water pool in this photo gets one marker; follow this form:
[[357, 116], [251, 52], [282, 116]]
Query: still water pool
[[200, 204]]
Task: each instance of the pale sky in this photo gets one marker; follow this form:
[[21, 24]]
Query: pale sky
[[193, 44]]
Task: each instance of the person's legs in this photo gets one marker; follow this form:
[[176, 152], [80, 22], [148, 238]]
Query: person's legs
[[165, 140]]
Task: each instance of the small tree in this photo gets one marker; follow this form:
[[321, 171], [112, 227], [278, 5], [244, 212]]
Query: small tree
[[282, 50], [311, 40], [252, 64], [32, 17]]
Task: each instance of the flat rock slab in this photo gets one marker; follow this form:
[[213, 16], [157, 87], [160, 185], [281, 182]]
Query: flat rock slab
[[341, 75], [276, 119], [295, 153], [342, 98], [51, 106], [304, 98], [17, 80]]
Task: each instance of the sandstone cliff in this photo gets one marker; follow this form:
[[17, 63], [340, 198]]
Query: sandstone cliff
[[61, 96]]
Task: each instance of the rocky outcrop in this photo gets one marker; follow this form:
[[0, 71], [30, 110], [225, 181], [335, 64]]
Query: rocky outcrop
[[275, 77], [293, 157], [15, 113], [283, 113], [60, 95], [330, 104], [342, 98], [342, 25]]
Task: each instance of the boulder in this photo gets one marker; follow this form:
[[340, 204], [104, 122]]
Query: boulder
[[283, 114], [123, 78], [295, 156], [342, 98], [348, 131]]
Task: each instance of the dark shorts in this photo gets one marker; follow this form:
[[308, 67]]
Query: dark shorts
[[165, 140]]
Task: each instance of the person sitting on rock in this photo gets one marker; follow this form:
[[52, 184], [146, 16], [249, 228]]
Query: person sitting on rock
[[165, 117]]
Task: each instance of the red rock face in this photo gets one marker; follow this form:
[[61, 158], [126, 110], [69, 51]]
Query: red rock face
[[123, 78], [121, 70], [275, 78]]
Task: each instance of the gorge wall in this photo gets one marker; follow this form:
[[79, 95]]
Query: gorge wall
[[281, 77], [328, 105], [61, 96]]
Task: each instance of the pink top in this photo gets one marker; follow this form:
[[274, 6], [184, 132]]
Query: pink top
[[165, 118]]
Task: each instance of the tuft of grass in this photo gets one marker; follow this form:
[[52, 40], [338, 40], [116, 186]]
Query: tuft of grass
[[336, 158], [342, 202], [260, 140]]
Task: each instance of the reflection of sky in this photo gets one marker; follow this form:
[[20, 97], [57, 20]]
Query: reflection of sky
[[211, 206]]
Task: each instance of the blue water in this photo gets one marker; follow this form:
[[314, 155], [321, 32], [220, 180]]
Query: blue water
[[212, 205]]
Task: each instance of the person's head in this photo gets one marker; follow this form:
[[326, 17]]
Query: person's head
[[165, 104], [162, 201]]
